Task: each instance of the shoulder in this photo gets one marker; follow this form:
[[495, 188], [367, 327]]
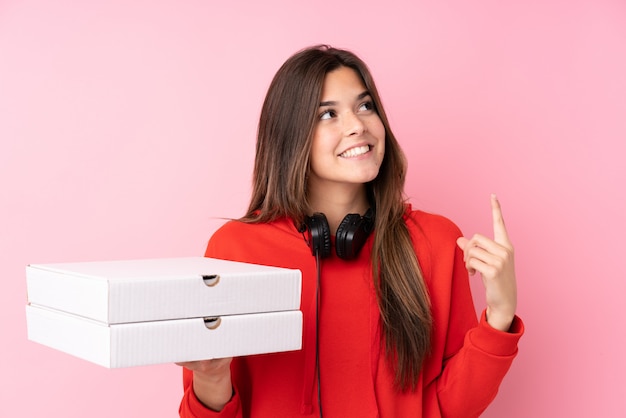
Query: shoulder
[[432, 226], [236, 230], [231, 229], [239, 241]]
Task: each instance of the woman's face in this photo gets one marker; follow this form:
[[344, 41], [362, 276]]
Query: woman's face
[[349, 138]]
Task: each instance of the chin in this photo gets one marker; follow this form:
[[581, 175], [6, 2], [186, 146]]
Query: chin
[[366, 178]]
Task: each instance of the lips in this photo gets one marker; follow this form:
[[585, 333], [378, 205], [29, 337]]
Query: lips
[[355, 152]]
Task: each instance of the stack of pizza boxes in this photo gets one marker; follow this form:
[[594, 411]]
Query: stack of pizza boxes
[[140, 312]]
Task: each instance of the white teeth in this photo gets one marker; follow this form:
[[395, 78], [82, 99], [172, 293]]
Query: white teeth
[[354, 152]]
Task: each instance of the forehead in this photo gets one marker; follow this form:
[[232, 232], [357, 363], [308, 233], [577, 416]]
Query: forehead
[[343, 80]]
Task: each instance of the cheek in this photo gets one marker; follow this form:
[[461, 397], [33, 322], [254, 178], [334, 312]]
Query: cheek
[[378, 131], [324, 142], [318, 147], [376, 128]]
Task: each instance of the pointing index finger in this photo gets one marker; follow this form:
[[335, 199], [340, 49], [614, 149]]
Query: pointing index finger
[[499, 229]]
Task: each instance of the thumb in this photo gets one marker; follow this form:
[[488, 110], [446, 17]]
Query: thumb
[[462, 242]]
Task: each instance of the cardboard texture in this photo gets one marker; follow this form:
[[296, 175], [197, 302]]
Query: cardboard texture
[[141, 312], [155, 289], [155, 342]]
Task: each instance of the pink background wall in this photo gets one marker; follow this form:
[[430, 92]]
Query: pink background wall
[[127, 130]]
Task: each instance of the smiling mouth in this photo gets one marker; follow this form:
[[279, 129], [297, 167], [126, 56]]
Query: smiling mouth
[[355, 152]]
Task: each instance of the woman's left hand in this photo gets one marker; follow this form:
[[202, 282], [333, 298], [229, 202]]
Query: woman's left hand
[[494, 260]]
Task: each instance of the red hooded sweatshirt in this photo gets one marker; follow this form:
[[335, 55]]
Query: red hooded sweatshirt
[[459, 378]]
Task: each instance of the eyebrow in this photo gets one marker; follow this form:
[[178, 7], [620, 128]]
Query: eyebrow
[[334, 103]]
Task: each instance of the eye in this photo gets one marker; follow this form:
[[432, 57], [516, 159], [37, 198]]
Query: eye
[[366, 106], [327, 114]]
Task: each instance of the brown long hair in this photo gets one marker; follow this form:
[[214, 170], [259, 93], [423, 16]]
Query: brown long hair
[[285, 132]]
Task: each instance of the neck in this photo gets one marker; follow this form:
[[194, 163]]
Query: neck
[[337, 203]]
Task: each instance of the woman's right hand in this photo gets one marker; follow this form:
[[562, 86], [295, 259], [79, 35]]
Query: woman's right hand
[[211, 381]]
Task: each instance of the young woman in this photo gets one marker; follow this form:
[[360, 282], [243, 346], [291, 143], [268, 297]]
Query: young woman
[[390, 328]]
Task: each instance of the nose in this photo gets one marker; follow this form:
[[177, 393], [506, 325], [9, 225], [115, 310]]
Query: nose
[[353, 124]]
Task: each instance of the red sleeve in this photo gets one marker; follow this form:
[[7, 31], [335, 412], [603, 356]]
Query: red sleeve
[[481, 364], [469, 358], [476, 356]]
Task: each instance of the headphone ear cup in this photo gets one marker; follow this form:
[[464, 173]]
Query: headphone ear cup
[[319, 234], [344, 239], [352, 234]]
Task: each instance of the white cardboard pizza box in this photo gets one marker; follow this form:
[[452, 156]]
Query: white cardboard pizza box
[[125, 291], [153, 342]]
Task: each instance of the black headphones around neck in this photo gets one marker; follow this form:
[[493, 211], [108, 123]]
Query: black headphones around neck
[[349, 239]]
